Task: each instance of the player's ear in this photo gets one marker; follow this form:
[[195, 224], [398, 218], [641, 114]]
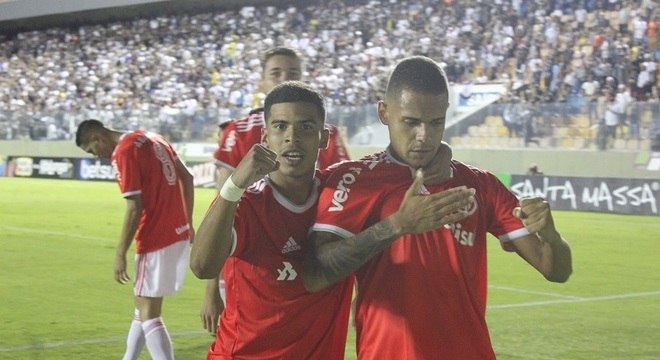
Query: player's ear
[[325, 137], [96, 137], [382, 112], [264, 136]]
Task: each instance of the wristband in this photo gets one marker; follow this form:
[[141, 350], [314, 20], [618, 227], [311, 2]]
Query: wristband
[[230, 191]]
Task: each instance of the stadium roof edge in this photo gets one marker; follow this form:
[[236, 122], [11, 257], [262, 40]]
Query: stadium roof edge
[[26, 15]]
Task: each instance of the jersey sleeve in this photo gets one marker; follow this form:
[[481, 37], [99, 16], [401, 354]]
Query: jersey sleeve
[[228, 154], [237, 139], [502, 201], [335, 151], [126, 164]]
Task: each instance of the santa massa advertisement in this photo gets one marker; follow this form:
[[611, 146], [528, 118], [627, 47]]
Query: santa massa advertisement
[[624, 196]]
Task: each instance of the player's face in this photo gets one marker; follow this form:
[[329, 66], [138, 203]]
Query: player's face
[[278, 69], [98, 147], [295, 132], [416, 123]]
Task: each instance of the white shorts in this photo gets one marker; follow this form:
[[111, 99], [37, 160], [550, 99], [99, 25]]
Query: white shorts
[[161, 272]]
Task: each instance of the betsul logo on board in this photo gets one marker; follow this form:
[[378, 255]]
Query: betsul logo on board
[[96, 170]]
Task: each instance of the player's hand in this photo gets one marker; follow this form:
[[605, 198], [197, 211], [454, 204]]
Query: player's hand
[[120, 269], [419, 213], [439, 170], [258, 162], [210, 312], [536, 216]]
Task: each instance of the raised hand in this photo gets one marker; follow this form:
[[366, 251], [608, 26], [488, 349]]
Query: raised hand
[[439, 169], [419, 213], [536, 216], [258, 162]]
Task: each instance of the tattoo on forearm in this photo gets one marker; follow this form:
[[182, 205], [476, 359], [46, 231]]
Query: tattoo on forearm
[[341, 258]]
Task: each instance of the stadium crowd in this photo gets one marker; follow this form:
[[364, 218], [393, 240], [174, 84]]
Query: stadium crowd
[[181, 74]]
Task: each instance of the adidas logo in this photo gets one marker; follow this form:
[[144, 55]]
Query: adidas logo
[[291, 245]]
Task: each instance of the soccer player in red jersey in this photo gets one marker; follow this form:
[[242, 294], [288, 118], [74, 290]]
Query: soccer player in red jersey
[[159, 194], [238, 136], [279, 64], [422, 291], [256, 229]]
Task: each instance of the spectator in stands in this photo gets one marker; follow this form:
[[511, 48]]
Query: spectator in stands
[[645, 81], [611, 120], [511, 115], [623, 18], [590, 89], [627, 117], [534, 170]]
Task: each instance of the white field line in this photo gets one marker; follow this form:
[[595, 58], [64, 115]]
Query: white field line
[[525, 291], [111, 339], [92, 341], [53, 233], [576, 300]]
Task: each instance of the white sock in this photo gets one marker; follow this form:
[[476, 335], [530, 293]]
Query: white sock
[[135, 339], [158, 339]]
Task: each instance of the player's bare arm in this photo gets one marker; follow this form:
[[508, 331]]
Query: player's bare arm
[[129, 228], [213, 305], [545, 249], [221, 175], [188, 188], [330, 258], [213, 239]]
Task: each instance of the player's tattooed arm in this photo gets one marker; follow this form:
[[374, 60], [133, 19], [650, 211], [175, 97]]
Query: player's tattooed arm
[[331, 258]]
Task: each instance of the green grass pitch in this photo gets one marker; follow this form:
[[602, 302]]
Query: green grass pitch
[[58, 299]]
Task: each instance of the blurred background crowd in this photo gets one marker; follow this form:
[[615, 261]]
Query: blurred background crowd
[[182, 74]]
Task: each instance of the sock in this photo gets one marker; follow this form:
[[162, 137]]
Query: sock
[[135, 339], [158, 339]]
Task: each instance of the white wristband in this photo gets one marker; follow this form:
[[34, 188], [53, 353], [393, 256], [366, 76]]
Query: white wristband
[[230, 191]]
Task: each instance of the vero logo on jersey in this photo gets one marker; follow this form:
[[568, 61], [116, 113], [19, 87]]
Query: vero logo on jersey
[[342, 190], [288, 273]]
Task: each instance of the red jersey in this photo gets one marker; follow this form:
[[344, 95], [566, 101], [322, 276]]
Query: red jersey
[[241, 134], [424, 297], [145, 165], [268, 312]]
